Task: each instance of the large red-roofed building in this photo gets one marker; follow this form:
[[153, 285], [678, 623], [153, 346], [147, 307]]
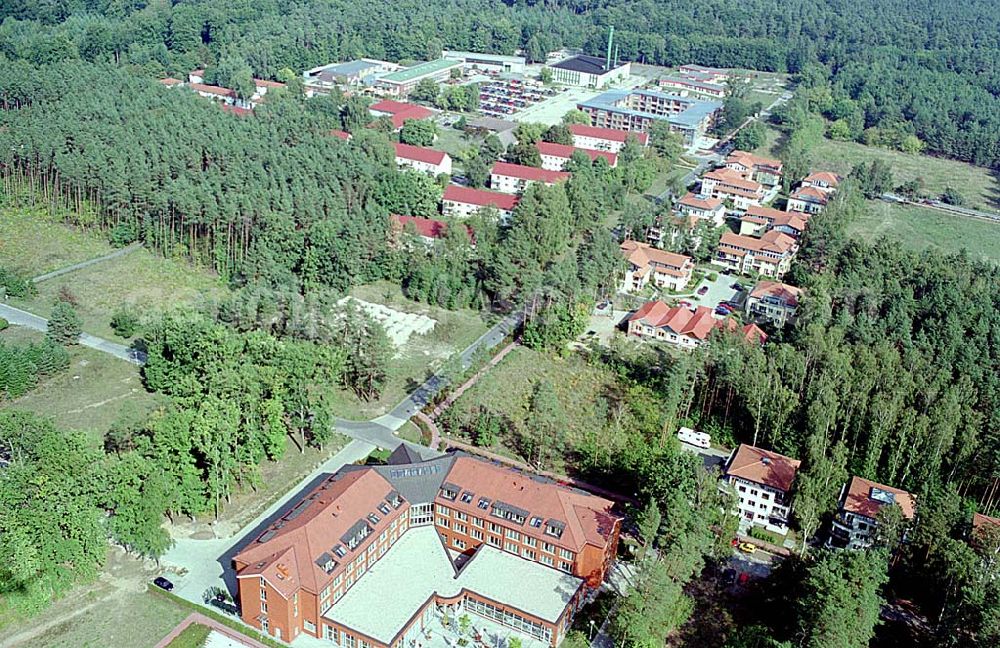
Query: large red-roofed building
[[421, 158], [375, 555], [855, 524], [515, 178], [463, 202], [399, 111], [555, 156]]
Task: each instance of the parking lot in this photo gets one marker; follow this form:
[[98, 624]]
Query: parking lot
[[719, 290], [503, 97]]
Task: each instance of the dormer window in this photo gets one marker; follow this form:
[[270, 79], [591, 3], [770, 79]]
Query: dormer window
[[340, 551], [484, 503], [536, 523], [374, 519], [554, 528], [384, 508], [449, 491], [467, 497]]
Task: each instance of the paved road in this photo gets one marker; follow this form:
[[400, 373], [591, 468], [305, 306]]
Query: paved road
[[19, 317], [89, 262]]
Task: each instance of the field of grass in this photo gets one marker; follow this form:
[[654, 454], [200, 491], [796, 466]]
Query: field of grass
[[979, 186], [193, 636], [918, 228], [32, 244], [453, 142], [91, 394], [145, 280], [507, 389], [420, 357]]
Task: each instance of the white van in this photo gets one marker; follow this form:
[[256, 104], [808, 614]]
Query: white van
[[697, 439]]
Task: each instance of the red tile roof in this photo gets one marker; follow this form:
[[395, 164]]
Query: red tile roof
[[763, 467], [344, 135], [749, 332], [211, 89], [790, 294], [609, 134], [697, 201], [767, 213], [733, 179], [697, 323], [480, 197], [287, 556], [419, 153], [980, 521], [642, 255], [564, 151], [527, 173], [170, 81], [825, 177], [858, 498], [773, 241], [810, 194], [426, 227], [400, 111], [262, 83], [752, 161], [587, 518]]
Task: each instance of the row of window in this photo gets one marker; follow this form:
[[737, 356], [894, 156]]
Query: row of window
[[509, 619], [517, 550]]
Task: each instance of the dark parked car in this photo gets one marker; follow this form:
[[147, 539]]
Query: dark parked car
[[163, 583], [737, 287], [703, 290]]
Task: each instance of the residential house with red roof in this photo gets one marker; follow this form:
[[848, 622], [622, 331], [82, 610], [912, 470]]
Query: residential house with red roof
[[702, 207], [807, 200], [726, 184], [429, 230], [822, 180], [439, 537], [399, 111], [757, 220], [515, 178], [684, 327], [464, 202], [855, 524], [762, 480], [171, 82], [648, 264], [715, 75], [766, 171], [421, 158], [773, 301], [603, 139], [555, 156], [344, 135], [770, 255]]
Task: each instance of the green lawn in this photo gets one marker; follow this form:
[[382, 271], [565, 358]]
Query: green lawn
[[143, 279], [193, 636], [979, 186], [91, 394], [507, 389], [919, 227], [454, 143], [420, 357], [32, 244]]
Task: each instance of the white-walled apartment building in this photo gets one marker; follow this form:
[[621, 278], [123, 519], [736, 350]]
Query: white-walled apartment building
[[423, 159], [464, 202], [770, 255], [773, 301], [515, 178], [603, 139], [646, 263], [764, 170], [728, 184], [555, 156], [762, 480], [757, 220], [855, 523], [702, 207]]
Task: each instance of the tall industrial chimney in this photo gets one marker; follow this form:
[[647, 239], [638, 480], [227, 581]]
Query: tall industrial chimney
[[611, 40]]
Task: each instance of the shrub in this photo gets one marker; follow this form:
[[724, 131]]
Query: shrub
[[712, 276], [3, 323], [125, 321], [14, 285]]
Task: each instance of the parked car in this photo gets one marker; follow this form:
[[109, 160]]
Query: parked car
[[737, 287], [748, 548], [163, 583], [703, 290], [684, 304], [719, 310]]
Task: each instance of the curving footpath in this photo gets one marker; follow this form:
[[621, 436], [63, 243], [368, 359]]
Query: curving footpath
[[18, 317]]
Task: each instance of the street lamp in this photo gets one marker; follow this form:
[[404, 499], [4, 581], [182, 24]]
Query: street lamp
[[591, 637]]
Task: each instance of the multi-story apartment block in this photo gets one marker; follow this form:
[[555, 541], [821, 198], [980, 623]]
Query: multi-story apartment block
[[770, 255], [807, 200], [646, 263], [603, 139], [402, 82], [555, 156], [636, 110], [764, 170], [726, 184], [855, 524], [441, 537], [762, 480], [822, 180], [679, 326], [774, 302], [710, 74], [463, 202], [702, 207], [757, 220], [421, 158], [683, 85], [515, 178]]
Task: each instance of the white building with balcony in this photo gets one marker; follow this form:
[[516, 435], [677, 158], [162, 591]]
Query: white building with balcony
[[762, 480]]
